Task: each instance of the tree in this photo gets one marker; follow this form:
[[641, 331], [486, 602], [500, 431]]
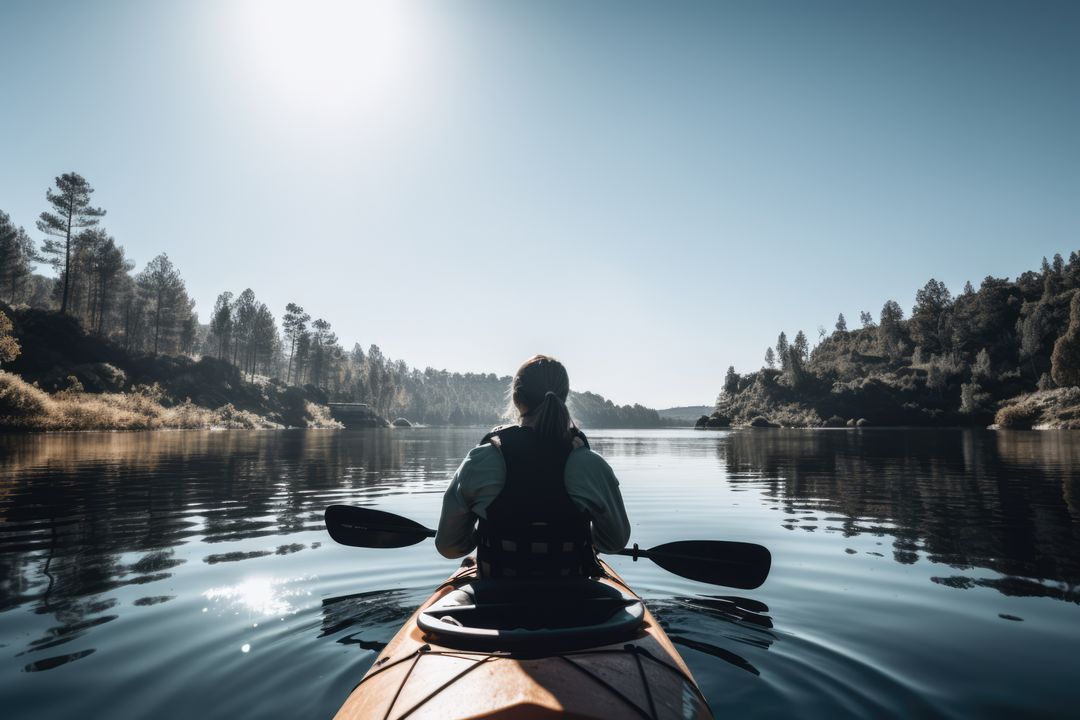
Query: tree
[[263, 338], [167, 299], [189, 331], [322, 339], [973, 400], [132, 312], [1065, 360], [731, 382], [796, 372], [770, 358], [801, 346], [104, 263], [841, 324], [1035, 323], [981, 370], [9, 346], [866, 319], [221, 323], [889, 331], [303, 350], [295, 324], [16, 258], [782, 350], [928, 317], [244, 310], [71, 213]]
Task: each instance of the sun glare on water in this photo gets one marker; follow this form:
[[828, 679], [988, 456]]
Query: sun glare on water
[[330, 58], [257, 596]]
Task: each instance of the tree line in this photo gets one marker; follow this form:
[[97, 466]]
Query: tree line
[[151, 311], [1004, 338], [147, 311]]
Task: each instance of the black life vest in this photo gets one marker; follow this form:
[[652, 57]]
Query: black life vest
[[533, 528]]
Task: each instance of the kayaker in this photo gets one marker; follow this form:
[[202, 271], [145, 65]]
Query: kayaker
[[532, 498]]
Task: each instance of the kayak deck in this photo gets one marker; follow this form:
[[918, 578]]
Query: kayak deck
[[417, 677]]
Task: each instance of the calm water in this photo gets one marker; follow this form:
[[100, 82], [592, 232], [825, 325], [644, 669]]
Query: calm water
[[180, 575]]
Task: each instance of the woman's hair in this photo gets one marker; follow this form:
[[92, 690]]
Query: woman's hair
[[541, 386]]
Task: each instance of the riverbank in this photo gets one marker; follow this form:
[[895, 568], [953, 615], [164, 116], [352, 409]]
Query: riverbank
[[25, 407], [59, 377], [1056, 409]]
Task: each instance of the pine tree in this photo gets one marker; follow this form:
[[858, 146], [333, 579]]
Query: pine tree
[[71, 213], [295, 324], [221, 323], [801, 346], [841, 324], [167, 297], [782, 350], [731, 382], [770, 358], [928, 317], [889, 331], [16, 258]]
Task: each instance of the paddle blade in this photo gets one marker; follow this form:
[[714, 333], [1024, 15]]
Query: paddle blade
[[734, 564], [366, 527]]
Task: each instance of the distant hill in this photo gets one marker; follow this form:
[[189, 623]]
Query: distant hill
[[1006, 353], [686, 413]]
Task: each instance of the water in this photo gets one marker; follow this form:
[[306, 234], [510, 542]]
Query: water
[[187, 574]]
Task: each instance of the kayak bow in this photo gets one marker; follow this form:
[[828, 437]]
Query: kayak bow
[[580, 648]]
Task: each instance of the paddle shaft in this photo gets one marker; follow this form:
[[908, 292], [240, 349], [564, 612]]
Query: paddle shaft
[[734, 564]]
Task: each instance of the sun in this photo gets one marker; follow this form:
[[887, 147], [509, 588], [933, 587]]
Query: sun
[[329, 58]]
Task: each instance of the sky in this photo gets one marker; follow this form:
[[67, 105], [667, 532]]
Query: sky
[[649, 191]]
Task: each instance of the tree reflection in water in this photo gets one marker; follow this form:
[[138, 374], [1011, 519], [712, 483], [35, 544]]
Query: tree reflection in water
[[1003, 501]]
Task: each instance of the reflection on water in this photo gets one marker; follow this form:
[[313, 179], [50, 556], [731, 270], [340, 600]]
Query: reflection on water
[[999, 501], [916, 572]]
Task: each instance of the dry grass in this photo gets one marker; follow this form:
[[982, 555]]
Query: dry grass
[[26, 407], [320, 418], [1057, 409]]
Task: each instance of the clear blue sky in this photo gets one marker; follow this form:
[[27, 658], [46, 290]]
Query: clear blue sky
[[649, 190]]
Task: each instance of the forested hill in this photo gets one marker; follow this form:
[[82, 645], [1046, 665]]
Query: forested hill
[[130, 318], [56, 353], [685, 414], [1008, 351]]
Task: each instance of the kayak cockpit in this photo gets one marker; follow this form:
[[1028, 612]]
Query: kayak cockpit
[[537, 614]]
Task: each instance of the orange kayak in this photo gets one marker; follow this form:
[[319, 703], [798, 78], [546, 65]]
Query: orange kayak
[[524, 649]]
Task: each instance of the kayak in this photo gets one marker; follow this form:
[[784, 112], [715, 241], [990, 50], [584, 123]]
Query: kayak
[[526, 649]]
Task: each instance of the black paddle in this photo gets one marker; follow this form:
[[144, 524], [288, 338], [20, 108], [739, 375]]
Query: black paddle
[[733, 564]]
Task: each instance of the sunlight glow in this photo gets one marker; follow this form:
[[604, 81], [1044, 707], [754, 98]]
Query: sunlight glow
[[330, 58], [260, 596]]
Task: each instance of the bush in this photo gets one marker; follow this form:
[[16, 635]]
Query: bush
[[19, 399], [9, 346], [1065, 360], [1016, 417]]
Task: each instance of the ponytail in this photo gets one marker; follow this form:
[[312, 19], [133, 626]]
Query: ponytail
[[553, 420], [539, 392]]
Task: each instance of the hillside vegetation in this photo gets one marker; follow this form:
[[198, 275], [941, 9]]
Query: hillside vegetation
[[102, 327], [63, 378], [1008, 352]]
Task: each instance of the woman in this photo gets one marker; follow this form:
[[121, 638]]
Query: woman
[[532, 498]]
